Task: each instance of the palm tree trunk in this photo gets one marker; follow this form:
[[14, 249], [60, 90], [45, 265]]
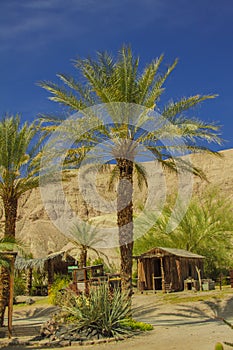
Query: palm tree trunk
[[29, 281], [4, 292], [125, 222], [83, 257], [10, 204]]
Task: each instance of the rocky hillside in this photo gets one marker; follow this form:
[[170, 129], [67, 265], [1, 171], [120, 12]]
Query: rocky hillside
[[41, 236]]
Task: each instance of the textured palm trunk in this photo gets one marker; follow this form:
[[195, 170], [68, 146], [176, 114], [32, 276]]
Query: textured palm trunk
[[10, 204], [83, 257], [10, 209], [29, 282], [125, 221], [4, 292]]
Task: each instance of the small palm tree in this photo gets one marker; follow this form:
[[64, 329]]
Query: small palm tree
[[108, 80], [86, 237], [19, 168]]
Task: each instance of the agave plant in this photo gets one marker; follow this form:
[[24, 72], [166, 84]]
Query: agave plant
[[101, 313]]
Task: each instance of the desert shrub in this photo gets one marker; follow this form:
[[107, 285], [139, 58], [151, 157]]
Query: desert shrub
[[135, 325], [101, 313], [57, 293]]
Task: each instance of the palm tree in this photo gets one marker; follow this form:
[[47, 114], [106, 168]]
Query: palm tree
[[86, 237], [108, 80], [19, 166]]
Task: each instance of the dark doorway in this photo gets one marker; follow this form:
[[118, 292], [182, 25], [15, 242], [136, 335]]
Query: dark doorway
[[157, 283]]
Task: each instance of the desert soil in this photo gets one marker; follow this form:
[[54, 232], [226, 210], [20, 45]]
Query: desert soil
[[179, 324]]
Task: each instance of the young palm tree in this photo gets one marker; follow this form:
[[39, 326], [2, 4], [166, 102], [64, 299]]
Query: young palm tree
[[19, 167], [108, 80], [85, 236]]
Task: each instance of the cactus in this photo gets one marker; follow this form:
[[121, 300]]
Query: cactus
[[218, 346]]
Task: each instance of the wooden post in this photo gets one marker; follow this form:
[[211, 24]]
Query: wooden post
[[12, 256], [163, 275], [153, 282], [86, 282], [220, 281], [199, 277]]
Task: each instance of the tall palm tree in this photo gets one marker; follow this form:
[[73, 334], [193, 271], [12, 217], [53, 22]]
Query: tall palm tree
[[19, 168], [108, 80]]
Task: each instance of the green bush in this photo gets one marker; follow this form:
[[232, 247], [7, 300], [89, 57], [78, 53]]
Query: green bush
[[57, 294], [19, 285], [135, 325], [101, 313]]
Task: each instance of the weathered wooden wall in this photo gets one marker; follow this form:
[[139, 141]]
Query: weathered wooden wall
[[174, 269]]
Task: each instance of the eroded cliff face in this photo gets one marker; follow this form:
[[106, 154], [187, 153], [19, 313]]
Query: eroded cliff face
[[39, 231]]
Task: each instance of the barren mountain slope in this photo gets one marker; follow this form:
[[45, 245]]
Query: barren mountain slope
[[42, 237]]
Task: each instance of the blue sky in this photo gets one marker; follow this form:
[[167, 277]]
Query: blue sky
[[39, 38]]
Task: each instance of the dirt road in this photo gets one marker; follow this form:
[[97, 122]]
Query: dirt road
[[178, 324]]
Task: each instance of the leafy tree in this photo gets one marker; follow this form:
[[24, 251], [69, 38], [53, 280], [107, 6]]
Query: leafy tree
[[19, 166], [108, 80], [206, 229]]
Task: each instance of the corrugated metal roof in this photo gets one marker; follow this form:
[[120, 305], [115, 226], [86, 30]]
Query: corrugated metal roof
[[177, 252]]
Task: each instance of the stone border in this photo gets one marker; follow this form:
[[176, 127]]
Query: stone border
[[62, 343]]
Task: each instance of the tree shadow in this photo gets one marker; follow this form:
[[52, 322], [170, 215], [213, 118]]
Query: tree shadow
[[34, 313], [208, 311], [146, 310]]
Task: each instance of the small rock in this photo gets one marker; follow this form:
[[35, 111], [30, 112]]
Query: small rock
[[29, 301], [65, 342]]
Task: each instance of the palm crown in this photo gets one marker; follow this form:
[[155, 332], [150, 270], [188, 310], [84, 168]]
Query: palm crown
[[19, 165]]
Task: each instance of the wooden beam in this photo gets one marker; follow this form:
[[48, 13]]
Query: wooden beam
[[12, 256]]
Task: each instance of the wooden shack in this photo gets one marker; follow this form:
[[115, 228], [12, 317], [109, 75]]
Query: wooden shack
[[54, 263], [167, 268]]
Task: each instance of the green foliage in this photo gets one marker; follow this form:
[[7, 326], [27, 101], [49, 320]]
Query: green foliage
[[108, 268], [19, 161], [101, 313], [218, 346], [19, 285], [135, 325], [56, 293], [7, 244], [206, 225]]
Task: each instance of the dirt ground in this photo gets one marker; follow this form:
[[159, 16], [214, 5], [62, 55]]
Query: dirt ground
[[185, 321]]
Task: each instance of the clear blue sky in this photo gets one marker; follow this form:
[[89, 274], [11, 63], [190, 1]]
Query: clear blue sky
[[38, 38]]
